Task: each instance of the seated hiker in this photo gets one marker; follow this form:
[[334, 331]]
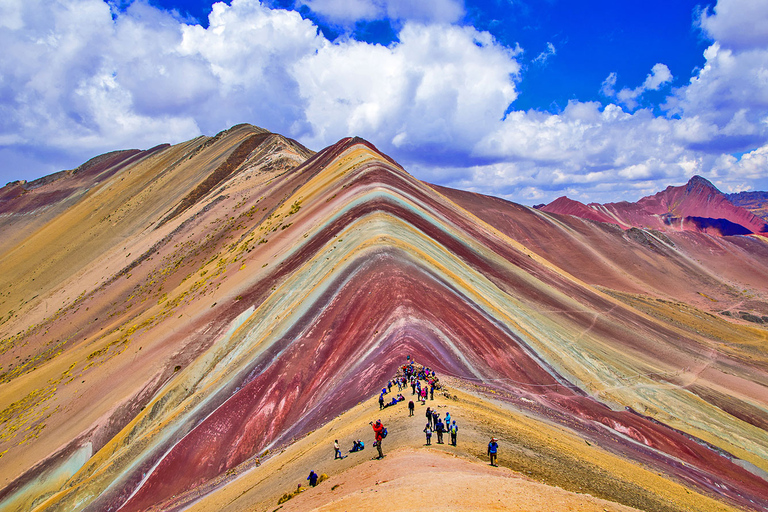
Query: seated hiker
[[357, 446], [312, 479]]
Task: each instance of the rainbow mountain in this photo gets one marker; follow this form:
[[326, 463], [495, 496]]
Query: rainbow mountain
[[176, 322]]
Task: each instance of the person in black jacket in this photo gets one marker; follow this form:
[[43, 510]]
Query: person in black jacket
[[440, 429]]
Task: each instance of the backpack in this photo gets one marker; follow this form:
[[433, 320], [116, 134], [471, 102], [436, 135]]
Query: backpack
[[384, 433], [454, 429]]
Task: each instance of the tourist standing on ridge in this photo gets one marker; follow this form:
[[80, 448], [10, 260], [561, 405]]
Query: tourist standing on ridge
[[337, 449], [447, 420], [493, 447], [378, 429], [381, 401], [411, 407], [429, 417], [440, 428], [413, 387], [428, 432], [454, 430]]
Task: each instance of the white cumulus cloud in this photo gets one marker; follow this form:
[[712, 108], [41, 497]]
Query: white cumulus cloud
[[78, 78], [439, 87], [737, 24], [425, 11], [658, 76]]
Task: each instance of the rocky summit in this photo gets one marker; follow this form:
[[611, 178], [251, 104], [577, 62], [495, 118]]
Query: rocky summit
[[191, 327]]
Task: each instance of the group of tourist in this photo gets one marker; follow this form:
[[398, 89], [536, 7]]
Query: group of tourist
[[436, 424], [411, 375]]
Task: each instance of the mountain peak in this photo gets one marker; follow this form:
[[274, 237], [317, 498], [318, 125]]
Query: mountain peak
[[696, 206], [698, 182]]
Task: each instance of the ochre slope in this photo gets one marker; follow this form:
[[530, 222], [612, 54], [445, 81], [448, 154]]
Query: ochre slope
[[272, 299]]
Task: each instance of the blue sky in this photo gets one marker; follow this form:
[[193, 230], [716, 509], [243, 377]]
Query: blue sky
[[528, 100], [590, 40]]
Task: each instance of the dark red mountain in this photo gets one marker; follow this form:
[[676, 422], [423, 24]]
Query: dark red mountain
[[697, 206]]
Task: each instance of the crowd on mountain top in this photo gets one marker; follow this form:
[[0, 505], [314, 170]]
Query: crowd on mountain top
[[411, 375]]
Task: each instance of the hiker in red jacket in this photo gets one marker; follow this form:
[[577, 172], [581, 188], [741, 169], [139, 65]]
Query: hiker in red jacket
[[378, 429]]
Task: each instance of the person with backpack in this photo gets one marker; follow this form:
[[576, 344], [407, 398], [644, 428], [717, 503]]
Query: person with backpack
[[493, 448], [381, 433], [411, 407], [428, 432], [454, 430], [440, 429], [381, 401]]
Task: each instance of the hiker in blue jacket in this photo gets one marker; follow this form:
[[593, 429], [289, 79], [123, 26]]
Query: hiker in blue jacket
[[493, 447]]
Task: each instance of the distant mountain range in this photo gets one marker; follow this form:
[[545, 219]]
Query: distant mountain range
[[697, 206], [755, 202]]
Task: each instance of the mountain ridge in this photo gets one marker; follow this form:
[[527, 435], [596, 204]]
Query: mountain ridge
[[170, 358], [697, 206]]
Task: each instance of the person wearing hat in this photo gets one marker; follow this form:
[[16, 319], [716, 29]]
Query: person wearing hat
[[493, 447]]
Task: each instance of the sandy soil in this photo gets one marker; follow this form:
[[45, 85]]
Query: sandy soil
[[415, 479]]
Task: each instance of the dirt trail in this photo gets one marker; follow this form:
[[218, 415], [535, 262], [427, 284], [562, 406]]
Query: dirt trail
[[419, 479]]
